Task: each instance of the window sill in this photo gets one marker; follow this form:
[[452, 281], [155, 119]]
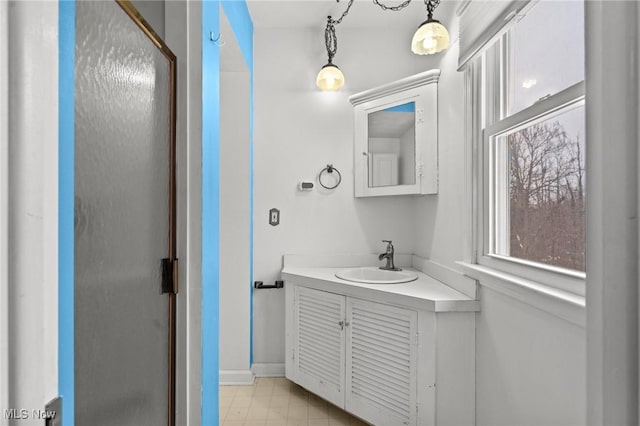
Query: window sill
[[563, 304]]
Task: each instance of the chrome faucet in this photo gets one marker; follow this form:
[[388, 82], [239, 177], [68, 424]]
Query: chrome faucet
[[389, 256]]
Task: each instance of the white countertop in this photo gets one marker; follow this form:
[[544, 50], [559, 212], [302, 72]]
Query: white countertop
[[425, 293]]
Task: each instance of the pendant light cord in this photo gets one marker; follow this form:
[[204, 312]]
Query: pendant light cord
[[330, 39], [330, 78], [393, 8], [346, 11], [431, 6]]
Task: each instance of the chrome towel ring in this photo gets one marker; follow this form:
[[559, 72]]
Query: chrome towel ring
[[329, 169]]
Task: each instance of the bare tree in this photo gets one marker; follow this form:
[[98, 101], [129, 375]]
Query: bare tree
[[546, 191]]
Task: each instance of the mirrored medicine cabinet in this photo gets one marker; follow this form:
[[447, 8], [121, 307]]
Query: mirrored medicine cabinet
[[396, 137]]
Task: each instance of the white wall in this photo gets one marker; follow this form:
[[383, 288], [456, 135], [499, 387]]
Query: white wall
[[235, 299], [440, 231], [530, 365], [33, 201], [298, 131]]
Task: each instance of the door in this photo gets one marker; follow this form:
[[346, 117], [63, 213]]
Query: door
[[319, 324], [382, 344], [124, 219]]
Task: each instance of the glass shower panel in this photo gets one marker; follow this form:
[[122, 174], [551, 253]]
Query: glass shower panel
[[122, 150]]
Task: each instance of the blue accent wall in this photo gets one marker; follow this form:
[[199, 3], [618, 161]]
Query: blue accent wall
[[210, 211], [66, 113], [240, 20], [238, 15]]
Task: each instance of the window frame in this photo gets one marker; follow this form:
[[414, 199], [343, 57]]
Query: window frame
[[491, 124]]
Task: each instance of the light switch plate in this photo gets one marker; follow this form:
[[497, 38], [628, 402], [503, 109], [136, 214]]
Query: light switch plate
[[274, 217]]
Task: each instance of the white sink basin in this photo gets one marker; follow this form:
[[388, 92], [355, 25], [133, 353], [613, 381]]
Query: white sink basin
[[375, 275]]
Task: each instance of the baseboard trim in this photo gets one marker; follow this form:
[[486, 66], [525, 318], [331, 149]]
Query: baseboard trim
[[236, 377], [268, 369]]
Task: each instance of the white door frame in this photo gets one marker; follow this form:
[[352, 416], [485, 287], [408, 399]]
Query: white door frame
[[612, 93], [4, 151]]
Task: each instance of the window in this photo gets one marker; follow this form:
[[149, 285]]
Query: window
[[538, 186], [544, 52], [533, 175]]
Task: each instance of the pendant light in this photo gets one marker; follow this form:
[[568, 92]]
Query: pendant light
[[330, 78], [431, 37]]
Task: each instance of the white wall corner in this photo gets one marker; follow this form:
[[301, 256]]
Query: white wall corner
[[454, 279], [236, 377], [268, 369], [562, 304], [182, 31], [612, 93], [33, 197]]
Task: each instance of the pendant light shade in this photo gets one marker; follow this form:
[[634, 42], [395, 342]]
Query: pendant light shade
[[431, 37], [330, 78]]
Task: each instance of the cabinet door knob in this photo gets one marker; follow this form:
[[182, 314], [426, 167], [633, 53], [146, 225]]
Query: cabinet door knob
[[341, 324]]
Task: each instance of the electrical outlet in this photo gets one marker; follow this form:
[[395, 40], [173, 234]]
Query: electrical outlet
[[274, 217]]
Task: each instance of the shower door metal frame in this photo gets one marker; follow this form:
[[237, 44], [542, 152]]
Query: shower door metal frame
[[137, 18]]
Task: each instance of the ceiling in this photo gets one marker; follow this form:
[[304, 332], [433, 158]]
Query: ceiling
[[313, 13]]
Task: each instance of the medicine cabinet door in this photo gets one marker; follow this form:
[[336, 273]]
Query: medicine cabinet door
[[396, 137]]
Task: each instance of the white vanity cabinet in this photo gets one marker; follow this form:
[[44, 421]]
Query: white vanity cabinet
[[317, 358], [382, 354], [393, 355], [359, 355]]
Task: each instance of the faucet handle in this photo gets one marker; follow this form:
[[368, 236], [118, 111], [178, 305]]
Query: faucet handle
[[389, 245], [387, 241]]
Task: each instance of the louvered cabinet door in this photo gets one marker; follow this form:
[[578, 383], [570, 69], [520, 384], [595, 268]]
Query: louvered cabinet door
[[319, 346], [381, 363]]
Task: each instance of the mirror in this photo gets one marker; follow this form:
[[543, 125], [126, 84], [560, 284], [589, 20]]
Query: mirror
[[391, 146], [396, 137]]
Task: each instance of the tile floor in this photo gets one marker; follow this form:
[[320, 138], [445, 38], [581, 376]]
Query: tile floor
[[278, 402]]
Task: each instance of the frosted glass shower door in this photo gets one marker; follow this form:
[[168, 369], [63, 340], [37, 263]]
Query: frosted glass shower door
[[124, 219]]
